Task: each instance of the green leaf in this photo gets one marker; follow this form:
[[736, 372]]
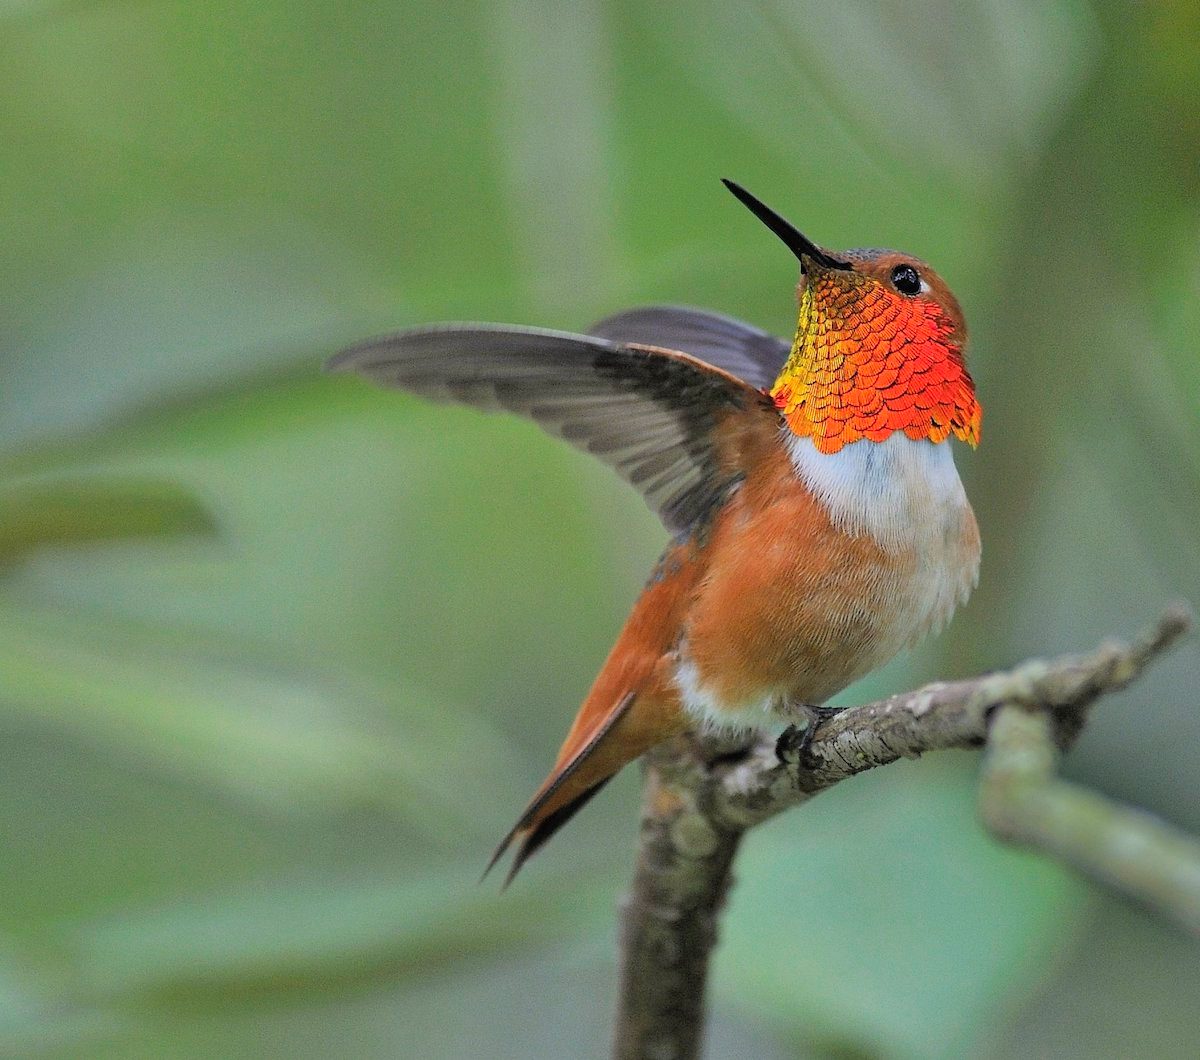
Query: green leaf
[[64, 512]]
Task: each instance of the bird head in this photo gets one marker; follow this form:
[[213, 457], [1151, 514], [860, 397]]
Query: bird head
[[879, 347]]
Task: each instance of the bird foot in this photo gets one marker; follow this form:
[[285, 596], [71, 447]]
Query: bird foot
[[795, 739]]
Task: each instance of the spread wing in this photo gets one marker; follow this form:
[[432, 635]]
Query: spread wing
[[652, 414], [747, 352]]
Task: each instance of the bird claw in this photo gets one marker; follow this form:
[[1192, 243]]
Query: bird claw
[[797, 737], [791, 744]]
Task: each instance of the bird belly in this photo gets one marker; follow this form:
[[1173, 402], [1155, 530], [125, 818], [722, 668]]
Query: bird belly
[[798, 602]]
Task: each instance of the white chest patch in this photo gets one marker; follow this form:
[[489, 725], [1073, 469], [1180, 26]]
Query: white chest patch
[[899, 491], [907, 495]]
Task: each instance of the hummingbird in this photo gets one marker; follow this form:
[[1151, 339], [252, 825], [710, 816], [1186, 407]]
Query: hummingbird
[[817, 521]]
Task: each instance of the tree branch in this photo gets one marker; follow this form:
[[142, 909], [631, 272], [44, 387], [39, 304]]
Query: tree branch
[[703, 792], [1021, 801]]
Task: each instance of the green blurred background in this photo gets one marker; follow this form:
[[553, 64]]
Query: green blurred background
[[283, 656]]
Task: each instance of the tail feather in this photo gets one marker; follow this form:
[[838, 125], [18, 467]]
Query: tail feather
[[540, 820], [633, 705], [541, 832]]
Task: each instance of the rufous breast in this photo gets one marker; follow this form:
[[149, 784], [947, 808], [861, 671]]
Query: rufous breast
[[821, 568]]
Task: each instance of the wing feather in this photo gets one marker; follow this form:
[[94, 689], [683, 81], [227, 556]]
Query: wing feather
[[652, 414], [740, 349]]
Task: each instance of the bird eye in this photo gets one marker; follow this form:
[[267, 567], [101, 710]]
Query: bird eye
[[906, 279]]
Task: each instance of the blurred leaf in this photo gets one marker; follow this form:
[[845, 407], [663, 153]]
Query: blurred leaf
[[66, 512], [213, 299], [301, 936], [883, 921], [18, 9], [280, 735], [927, 85], [1117, 992], [35, 1016]]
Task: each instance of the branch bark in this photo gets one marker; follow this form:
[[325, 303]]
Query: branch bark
[[703, 793]]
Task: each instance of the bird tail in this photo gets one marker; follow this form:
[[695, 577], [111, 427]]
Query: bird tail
[[599, 744], [632, 706]]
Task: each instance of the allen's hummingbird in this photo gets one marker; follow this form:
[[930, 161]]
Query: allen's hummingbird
[[817, 521]]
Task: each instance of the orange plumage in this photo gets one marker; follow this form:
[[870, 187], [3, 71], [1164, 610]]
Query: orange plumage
[[867, 361], [818, 523]]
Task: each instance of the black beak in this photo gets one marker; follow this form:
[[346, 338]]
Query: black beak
[[795, 241]]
